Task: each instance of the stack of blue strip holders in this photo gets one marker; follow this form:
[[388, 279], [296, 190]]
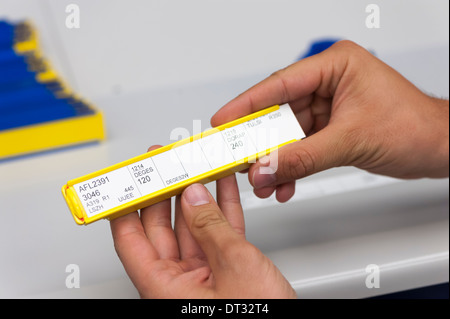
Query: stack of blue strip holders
[[30, 91]]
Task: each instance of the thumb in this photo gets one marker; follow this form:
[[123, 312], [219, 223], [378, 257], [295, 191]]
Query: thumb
[[316, 153], [207, 224]]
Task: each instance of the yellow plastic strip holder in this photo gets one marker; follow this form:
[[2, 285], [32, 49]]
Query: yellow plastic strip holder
[[165, 172]]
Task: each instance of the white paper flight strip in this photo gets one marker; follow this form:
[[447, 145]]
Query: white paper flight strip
[[144, 177]]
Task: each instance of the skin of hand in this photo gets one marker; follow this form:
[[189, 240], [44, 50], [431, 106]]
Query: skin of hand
[[205, 255], [356, 111]]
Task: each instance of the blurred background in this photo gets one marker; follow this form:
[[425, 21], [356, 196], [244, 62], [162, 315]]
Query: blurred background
[[129, 46], [152, 66]]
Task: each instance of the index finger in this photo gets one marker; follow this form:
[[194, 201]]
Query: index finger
[[229, 201], [132, 245], [281, 87], [317, 74]]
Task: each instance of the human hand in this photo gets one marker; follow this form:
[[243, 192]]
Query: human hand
[[206, 255], [356, 111]]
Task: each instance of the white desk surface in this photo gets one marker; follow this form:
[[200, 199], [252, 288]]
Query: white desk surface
[[340, 221]]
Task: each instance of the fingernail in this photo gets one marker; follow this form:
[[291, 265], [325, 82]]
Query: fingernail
[[196, 195], [263, 178]]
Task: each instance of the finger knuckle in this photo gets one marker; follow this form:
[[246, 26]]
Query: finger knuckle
[[278, 73], [206, 219], [345, 44], [279, 76], [351, 50], [297, 164]]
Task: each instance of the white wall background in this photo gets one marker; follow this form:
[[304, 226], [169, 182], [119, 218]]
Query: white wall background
[[127, 46]]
